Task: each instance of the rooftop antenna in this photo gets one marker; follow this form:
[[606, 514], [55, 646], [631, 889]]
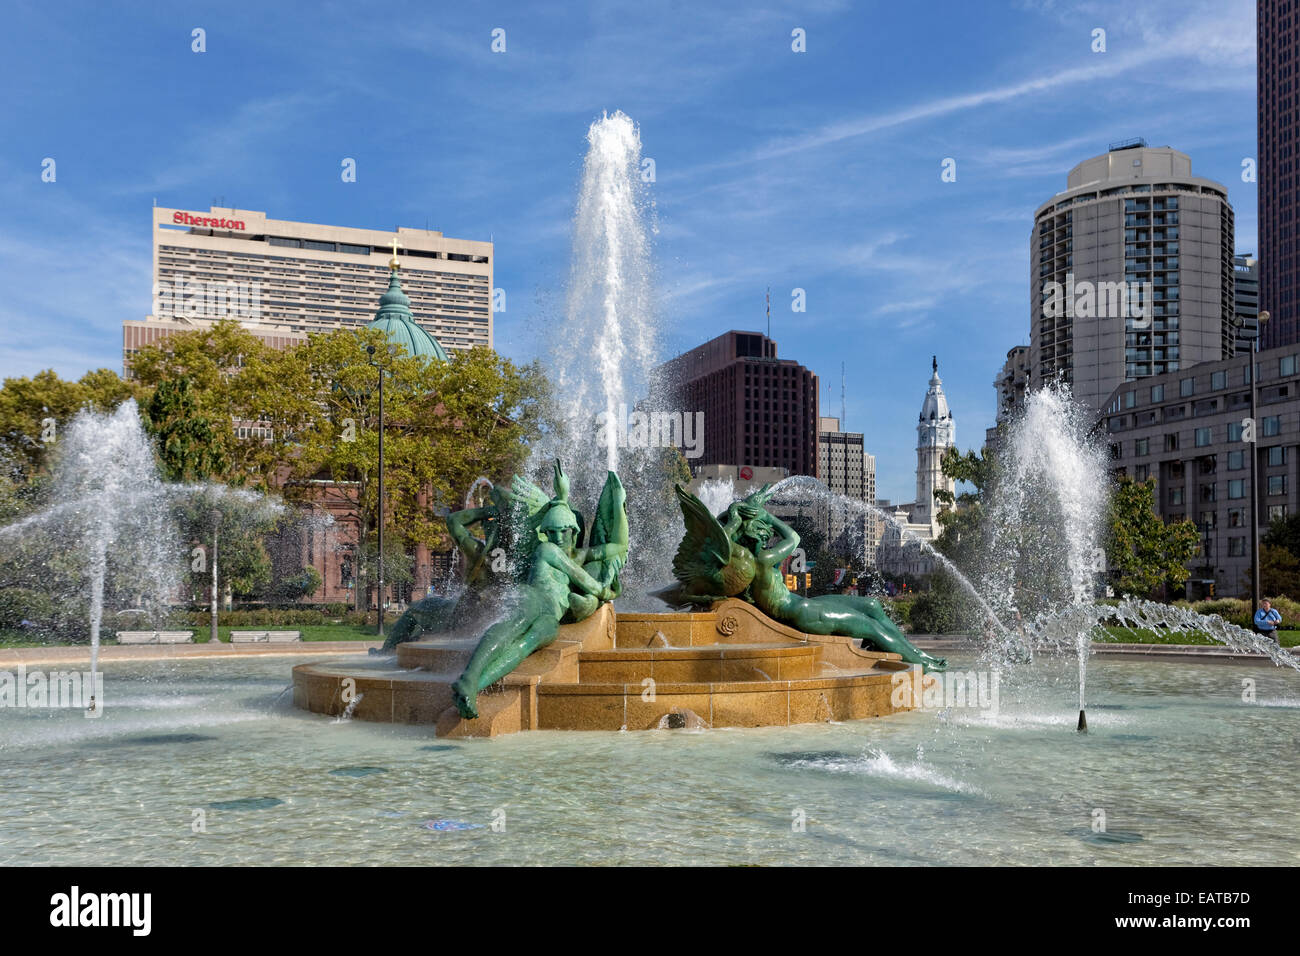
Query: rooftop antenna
[[844, 415], [769, 313]]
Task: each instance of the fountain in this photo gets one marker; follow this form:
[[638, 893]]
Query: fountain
[[1000, 787]]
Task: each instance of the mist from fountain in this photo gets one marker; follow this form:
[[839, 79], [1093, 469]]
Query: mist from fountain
[[112, 523]]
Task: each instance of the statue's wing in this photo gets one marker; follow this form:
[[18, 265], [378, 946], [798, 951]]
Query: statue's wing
[[610, 528], [527, 494], [530, 507], [705, 548]]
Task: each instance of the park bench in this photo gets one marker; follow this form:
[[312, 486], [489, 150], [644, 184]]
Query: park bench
[[265, 637], [155, 637]]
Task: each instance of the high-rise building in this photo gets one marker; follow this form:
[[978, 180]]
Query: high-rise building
[[1277, 51], [283, 279], [1185, 429], [759, 410], [1012, 386], [1245, 297], [1131, 272], [846, 469]]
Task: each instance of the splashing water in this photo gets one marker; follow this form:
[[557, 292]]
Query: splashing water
[[603, 359], [111, 517]]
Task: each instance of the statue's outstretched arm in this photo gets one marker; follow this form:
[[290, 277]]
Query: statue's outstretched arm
[[459, 523], [787, 542]]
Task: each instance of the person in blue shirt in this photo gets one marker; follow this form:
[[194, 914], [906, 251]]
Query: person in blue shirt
[[1267, 619]]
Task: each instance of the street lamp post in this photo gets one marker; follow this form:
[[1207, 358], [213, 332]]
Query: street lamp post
[[379, 597], [216, 525], [1254, 444]]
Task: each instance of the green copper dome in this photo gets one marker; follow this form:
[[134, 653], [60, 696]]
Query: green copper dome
[[398, 324]]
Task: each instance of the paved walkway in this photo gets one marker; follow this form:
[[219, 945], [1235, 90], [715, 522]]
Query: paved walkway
[[936, 642], [80, 653]]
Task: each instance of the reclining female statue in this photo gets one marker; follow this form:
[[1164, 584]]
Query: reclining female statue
[[741, 554]]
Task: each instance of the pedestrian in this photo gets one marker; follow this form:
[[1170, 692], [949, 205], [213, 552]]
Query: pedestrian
[[1267, 619]]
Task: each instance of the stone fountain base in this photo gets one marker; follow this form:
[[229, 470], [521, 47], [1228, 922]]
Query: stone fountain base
[[728, 667]]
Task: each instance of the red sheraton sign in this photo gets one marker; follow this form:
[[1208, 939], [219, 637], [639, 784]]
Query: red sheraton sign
[[185, 219]]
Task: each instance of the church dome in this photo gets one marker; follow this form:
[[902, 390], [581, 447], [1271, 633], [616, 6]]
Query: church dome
[[394, 318]]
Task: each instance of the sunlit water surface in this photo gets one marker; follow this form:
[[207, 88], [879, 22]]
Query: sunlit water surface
[[1185, 771]]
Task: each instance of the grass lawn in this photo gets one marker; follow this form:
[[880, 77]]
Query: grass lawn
[[1121, 635]]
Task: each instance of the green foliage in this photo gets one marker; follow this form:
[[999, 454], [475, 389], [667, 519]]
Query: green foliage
[[27, 405], [944, 609], [1285, 533], [189, 447], [965, 534], [1279, 571], [1142, 551]]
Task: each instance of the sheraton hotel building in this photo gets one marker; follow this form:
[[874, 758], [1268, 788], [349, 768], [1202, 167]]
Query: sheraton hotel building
[[282, 279]]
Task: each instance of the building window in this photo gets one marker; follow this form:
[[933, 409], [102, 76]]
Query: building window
[[1115, 453], [1141, 446], [1237, 488], [1286, 365], [1207, 519], [1234, 431], [1277, 484], [1207, 493], [1218, 380], [1236, 460], [1272, 425], [1141, 472], [1130, 399], [1157, 393], [1277, 455], [1186, 387], [1175, 496], [1236, 518], [1276, 513], [1171, 441], [1236, 547], [1202, 437]]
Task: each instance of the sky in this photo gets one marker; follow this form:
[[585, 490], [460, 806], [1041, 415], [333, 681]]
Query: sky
[[817, 170]]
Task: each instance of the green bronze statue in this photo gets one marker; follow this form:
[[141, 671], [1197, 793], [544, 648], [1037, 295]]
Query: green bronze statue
[[564, 582], [437, 613], [740, 553]]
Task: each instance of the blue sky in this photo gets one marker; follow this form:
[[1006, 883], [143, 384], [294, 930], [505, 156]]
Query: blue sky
[[817, 170]]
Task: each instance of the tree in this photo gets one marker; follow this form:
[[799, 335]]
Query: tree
[[188, 446], [1279, 571], [34, 411], [964, 537], [1285, 533], [1142, 551], [214, 360]]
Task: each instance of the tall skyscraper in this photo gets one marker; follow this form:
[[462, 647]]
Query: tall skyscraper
[[1131, 272], [1245, 296], [936, 433], [846, 469], [759, 410], [283, 279], [1277, 52]]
